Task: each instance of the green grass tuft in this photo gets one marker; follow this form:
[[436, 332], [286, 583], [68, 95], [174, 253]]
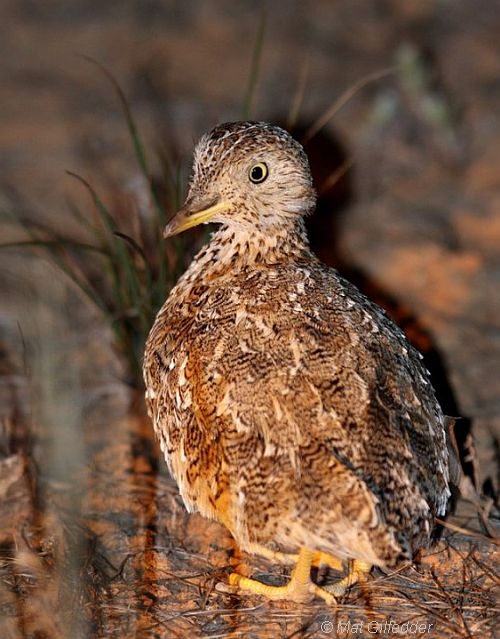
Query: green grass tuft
[[125, 275]]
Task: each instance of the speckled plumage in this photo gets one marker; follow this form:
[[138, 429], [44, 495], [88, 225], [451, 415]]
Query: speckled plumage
[[288, 406]]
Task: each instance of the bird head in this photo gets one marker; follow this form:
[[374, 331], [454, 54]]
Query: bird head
[[249, 175]]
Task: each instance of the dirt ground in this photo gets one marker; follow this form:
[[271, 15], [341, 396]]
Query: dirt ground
[[94, 540]]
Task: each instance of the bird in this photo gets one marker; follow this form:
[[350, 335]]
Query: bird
[[288, 406]]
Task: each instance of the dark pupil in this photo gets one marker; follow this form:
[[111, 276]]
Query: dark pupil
[[257, 173]]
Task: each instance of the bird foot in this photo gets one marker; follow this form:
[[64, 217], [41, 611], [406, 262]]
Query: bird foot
[[299, 592], [319, 558], [300, 588], [358, 571]]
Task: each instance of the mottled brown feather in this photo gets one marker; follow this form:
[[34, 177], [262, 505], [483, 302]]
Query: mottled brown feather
[[288, 406]]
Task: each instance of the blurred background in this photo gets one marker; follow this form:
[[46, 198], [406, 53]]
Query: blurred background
[[398, 105]]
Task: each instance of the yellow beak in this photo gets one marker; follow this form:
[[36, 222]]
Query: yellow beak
[[186, 218]]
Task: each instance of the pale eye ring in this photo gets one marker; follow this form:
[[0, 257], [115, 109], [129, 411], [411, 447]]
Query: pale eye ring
[[258, 172]]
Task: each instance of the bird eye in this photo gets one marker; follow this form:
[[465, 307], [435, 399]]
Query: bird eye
[[258, 173]]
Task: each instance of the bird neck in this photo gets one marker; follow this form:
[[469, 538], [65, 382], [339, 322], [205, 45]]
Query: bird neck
[[236, 248]]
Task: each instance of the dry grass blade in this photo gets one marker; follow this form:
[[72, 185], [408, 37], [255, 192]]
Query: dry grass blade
[[60, 242], [298, 98], [337, 175], [344, 98], [139, 151], [254, 68], [130, 240], [134, 134], [471, 533]]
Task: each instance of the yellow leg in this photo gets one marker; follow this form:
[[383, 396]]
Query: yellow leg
[[319, 558], [357, 572], [300, 587]]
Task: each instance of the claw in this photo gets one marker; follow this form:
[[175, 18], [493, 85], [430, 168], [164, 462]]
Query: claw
[[300, 588]]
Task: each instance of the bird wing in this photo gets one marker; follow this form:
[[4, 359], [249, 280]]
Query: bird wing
[[319, 363]]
